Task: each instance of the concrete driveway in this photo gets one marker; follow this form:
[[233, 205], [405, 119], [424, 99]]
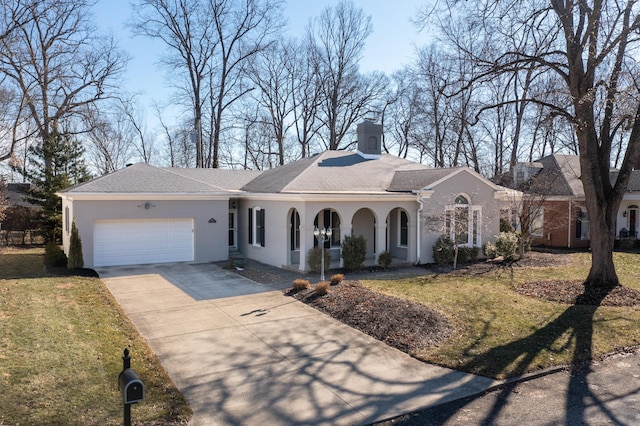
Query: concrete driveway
[[243, 353]]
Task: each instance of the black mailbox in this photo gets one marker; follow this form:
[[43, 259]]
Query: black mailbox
[[130, 386]]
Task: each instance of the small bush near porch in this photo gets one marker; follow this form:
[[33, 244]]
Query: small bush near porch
[[61, 351]]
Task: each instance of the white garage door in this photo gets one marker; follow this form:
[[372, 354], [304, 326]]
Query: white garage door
[[132, 242]]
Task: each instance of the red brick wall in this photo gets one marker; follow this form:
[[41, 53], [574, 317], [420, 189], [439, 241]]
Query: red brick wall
[[558, 230]]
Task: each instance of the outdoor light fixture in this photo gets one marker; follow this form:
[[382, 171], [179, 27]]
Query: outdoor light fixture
[[146, 205], [624, 213], [323, 235]]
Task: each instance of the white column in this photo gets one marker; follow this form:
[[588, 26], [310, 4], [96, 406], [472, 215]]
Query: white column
[[306, 243]]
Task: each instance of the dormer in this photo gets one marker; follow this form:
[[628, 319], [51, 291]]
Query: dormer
[[369, 140]]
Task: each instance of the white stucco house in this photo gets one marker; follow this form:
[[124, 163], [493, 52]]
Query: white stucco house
[[144, 214]]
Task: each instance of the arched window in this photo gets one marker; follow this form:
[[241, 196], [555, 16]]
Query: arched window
[[295, 230], [461, 199], [403, 228], [463, 221]]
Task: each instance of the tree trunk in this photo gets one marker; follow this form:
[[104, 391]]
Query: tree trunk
[[602, 273]]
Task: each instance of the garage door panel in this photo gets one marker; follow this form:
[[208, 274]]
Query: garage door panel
[[129, 242]]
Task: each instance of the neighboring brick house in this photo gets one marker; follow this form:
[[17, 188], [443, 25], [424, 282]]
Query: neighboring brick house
[[563, 220]]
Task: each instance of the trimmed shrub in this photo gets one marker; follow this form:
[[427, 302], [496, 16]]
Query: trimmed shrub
[[300, 284], [336, 279], [314, 259], [75, 260], [385, 259], [468, 254], [505, 246], [54, 256], [443, 250], [490, 250], [322, 288], [354, 250]]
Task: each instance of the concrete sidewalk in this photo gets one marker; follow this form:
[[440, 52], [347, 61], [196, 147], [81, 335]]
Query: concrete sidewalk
[[243, 353]]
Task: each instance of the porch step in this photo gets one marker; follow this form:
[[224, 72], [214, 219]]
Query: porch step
[[234, 254]]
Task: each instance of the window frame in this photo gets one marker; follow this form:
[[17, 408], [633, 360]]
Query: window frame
[[257, 233], [473, 215], [403, 229]]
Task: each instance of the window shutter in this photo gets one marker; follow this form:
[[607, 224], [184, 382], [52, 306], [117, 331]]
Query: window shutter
[[250, 226], [261, 225]]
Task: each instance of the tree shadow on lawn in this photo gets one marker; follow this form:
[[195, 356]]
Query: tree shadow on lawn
[[574, 325]]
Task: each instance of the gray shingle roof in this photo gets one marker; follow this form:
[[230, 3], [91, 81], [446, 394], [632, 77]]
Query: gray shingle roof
[[409, 180], [329, 172], [340, 171], [230, 180], [141, 177], [560, 176]]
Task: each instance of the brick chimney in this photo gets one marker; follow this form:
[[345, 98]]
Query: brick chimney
[[369, 140]]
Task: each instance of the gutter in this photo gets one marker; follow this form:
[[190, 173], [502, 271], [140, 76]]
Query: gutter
[[569, 224], [421, 203]]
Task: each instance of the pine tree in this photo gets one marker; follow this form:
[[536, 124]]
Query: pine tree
[[53, 167], [75, 260]]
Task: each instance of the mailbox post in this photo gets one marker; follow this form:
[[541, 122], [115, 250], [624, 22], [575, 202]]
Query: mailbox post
[[130, 386]]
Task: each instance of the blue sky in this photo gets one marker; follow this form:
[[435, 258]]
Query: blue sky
[[389, 47]]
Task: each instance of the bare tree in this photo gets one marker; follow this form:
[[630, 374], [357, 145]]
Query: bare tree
[[187, 28], [58, 66], [337, 39], [244, 28], [306, 93], [402, 113], [590, 48], [210, 44], [109, 142], [273, 74]]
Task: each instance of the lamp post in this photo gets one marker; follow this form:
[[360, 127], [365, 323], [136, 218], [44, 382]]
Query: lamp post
[[323, 235]]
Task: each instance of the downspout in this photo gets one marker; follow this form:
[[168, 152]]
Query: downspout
[[569, 223], [421, 203]]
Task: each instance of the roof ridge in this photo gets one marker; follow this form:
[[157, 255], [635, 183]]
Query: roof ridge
[[314, 159], [171, 170], [569, 166]]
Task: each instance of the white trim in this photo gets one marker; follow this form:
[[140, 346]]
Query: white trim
[[144, 196], [472, 173], [399, 229], [368, 156]]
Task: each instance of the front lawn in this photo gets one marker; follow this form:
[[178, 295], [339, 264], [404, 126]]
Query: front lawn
[[500, 333], [61, 351]]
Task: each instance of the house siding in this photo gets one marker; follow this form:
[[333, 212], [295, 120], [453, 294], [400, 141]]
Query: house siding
[[355, 218], [444, 194], [210, 239]]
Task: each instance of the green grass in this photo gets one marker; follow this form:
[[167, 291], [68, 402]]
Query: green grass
[[61, 351], [500, 333]]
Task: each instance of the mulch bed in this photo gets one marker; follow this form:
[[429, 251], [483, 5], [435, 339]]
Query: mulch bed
[[405, 325], [572, 292]]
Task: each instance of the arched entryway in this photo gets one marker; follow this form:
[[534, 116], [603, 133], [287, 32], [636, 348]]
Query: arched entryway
[[294, 237], [330, 219], [364, 223], [398, 233]]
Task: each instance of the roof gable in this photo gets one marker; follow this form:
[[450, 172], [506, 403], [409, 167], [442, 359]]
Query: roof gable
[[558, 176]]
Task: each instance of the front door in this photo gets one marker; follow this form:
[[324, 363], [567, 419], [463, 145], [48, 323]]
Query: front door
[[633, 218], [233, 228]]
